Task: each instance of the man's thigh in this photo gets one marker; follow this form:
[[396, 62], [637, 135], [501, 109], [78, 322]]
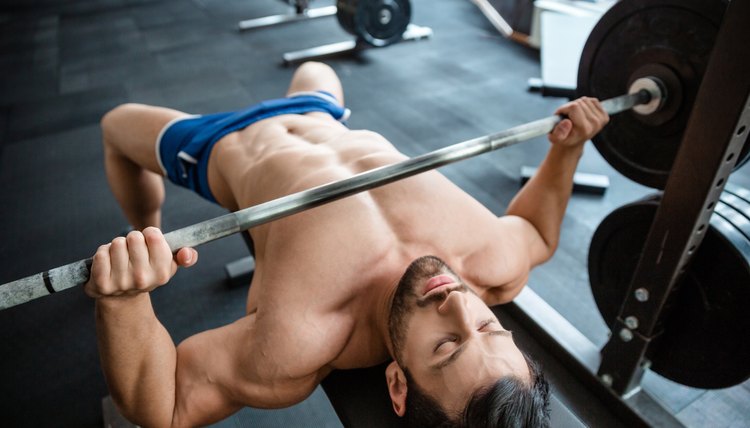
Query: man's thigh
[[131, 130]]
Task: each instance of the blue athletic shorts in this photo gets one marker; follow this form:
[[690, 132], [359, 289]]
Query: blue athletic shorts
[[184, 145]]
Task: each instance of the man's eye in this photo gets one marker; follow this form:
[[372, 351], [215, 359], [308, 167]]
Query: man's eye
[[444, 343], [485, 324]]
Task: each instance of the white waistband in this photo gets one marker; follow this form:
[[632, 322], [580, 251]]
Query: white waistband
[[161, 134]]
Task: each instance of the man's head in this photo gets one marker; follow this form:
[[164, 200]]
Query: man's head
[[455, 364]]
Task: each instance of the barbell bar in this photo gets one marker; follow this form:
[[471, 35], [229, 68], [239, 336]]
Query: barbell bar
[[648, 91]]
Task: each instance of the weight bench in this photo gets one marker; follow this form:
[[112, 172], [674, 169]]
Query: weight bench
[[360, 396], [301, 13], [360, 399]]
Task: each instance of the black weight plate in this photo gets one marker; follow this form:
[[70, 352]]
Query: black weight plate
[[738, 191], [671, 39], [739, 214], [703, 341], [377, 22], [345, 13], [614, 252]]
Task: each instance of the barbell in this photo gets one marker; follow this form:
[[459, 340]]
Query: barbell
[[648, 91]]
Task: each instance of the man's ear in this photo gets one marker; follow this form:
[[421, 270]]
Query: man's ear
[[396, 387]]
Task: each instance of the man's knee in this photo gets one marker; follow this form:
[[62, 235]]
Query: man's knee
[[315, 69], [114, 117], [316, 76], [116, 121]]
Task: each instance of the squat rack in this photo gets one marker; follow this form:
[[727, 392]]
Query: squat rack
[[717, 130]]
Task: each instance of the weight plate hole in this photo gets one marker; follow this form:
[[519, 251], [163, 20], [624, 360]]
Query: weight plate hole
[[742, 129], [711, 205], [730, 157], [721, 181]]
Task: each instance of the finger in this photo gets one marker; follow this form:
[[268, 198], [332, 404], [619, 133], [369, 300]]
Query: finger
[[186, 257], [120, 262], [139, 260], [100, 272], [561, 131], [601, 113], [587, 104], [598, 117], [563, 109], [591, 121], [160, 255], [576, 112], [593, 118]]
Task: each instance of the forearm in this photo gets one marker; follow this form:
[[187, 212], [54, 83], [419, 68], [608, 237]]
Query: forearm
[[138, 358], [544, 198]]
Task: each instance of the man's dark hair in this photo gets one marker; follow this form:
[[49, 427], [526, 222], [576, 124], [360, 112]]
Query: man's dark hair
[[509, 402]]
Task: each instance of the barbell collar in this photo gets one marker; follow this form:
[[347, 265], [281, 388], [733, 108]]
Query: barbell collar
[[656, 90], [77, 273]]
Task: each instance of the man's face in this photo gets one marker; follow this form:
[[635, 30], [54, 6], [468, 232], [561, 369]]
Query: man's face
[[447, 337]]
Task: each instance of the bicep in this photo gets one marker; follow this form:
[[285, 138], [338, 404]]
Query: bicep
[[516, 248], [525, 239], [217, 374]]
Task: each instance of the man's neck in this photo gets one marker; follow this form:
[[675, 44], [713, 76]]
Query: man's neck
[[382, 313]]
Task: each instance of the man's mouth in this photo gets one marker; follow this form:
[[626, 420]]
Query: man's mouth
[[437, 283]]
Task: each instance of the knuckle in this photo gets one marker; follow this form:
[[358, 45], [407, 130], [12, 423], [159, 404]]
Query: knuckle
[[141, 280], [163, 274], [162, 278], [99, 278], [152, 233], [118, 242], [100, 255], [134, 237], [108, 289], [121, 282]]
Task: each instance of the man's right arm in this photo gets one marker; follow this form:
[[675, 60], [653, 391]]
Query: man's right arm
[[138, 358], [206, 378], [137, 354]]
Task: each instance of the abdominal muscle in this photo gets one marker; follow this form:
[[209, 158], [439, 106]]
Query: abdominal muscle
[[290, 153]]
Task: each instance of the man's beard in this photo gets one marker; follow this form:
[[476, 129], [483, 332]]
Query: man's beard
[[406, 296]]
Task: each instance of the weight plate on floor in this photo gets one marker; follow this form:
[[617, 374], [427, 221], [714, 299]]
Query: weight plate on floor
[[377, 22], [703, 341], [740, 214], [669, 39]]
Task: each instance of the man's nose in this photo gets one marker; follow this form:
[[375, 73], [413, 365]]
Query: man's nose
[[456, 305]]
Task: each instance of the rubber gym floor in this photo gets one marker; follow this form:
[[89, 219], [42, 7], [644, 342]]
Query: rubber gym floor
[[65, 63]]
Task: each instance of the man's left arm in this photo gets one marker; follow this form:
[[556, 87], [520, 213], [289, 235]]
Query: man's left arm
[[542, 202]]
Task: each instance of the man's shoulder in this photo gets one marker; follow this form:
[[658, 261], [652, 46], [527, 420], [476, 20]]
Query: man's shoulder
[[500, 264]]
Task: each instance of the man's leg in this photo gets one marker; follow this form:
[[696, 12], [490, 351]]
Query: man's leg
[[316, 76], [129, 136]]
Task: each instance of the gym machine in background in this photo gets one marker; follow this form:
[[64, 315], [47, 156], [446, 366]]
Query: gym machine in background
[[677, 310], [670, 274], [375, 23]]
